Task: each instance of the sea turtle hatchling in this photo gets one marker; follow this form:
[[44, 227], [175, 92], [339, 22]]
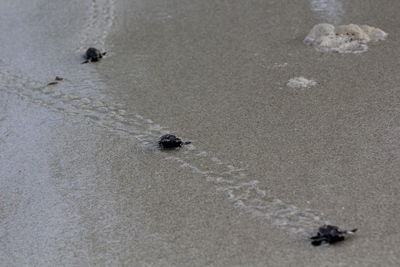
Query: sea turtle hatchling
[[93, 55], [330, 234], [170, 141]]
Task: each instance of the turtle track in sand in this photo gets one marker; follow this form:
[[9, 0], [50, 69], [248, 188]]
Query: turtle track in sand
[[98, 25], [245, 192]]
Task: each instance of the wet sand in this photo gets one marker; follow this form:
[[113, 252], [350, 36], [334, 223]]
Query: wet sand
[[82, 183]]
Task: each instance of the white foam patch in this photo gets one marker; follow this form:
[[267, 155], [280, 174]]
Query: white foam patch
[[301, 82], [350, 38]]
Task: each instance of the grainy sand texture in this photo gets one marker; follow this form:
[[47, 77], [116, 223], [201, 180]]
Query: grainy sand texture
[[83, 183]]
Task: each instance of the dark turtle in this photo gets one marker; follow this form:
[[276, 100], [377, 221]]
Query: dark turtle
[[330, 234], [170, 141], [93, 55]]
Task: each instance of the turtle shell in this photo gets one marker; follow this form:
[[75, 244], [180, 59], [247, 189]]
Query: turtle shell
[[93, 54], [170, 141], [329, 234]]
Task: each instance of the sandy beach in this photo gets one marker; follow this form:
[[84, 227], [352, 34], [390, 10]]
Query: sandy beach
[[82, 182]]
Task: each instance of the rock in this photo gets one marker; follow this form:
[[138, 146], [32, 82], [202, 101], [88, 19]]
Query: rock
[[300, 82], [350, 38]]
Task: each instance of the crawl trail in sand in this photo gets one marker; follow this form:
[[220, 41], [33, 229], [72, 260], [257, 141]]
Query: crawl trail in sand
[[245, 192]]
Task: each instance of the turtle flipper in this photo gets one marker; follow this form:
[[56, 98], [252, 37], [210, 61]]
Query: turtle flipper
[[316, 243]]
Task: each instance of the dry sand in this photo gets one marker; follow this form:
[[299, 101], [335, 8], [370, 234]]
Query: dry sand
[[81, 183]]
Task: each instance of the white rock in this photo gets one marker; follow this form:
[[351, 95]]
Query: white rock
[[374, 34], [300, 82], [350, 38]]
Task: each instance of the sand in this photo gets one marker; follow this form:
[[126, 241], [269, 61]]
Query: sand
[[83, 184]]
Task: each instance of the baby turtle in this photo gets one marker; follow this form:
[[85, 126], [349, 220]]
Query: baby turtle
[[93, 55], [330, 234], [56, 79], [170, 141]]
